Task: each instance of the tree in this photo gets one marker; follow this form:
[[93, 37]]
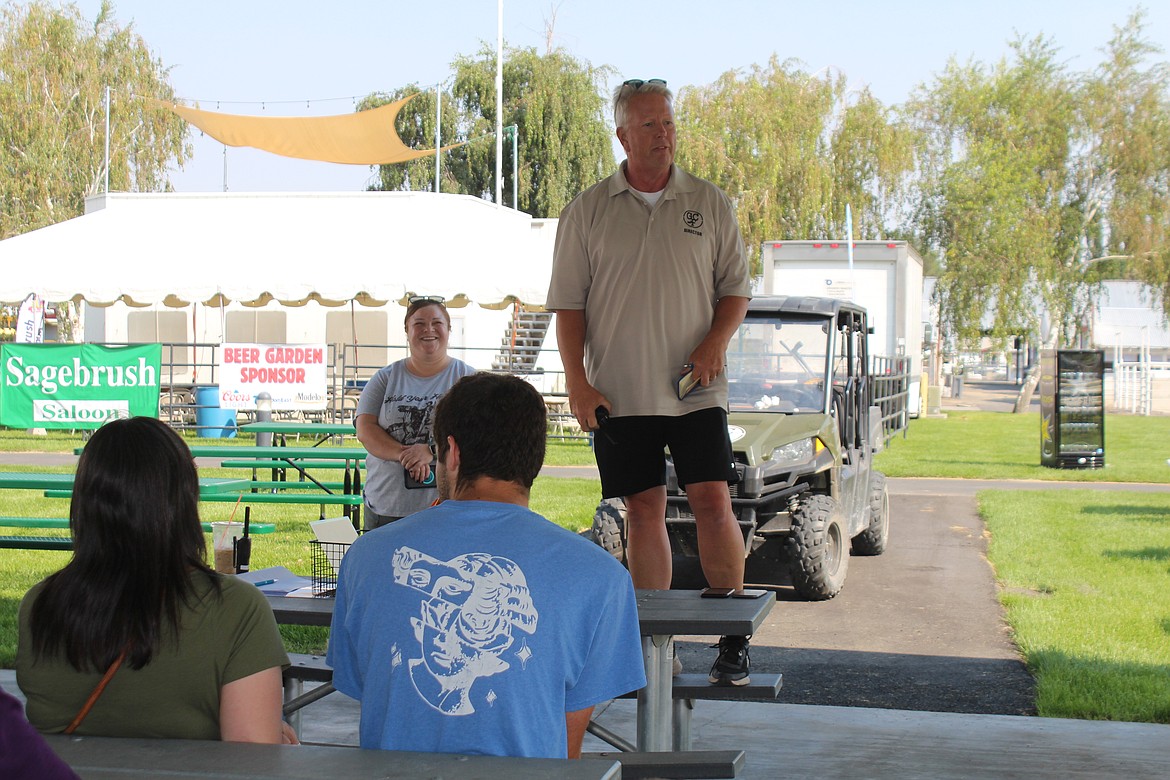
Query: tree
[[1123, 177], [554, 100], [1030, 176], [416, 127], [54, 68], [793, 149], [993, 173]]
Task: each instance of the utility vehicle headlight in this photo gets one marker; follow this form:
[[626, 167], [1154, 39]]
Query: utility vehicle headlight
[[794, 453]]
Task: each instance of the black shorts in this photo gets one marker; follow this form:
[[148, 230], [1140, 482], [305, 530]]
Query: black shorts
[[631, 451]]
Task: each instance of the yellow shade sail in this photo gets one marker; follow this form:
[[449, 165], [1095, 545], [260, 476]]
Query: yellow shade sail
[[361, 138]]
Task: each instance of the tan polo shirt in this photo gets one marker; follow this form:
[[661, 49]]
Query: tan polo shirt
[[648, 280]]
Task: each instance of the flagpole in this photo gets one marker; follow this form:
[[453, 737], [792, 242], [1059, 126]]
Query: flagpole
[[849, 250], [107, 140], [499, 101]]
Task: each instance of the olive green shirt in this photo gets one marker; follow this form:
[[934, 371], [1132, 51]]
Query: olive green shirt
[[176, 695]]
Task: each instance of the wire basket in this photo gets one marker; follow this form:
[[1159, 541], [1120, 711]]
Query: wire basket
[[326, 563]]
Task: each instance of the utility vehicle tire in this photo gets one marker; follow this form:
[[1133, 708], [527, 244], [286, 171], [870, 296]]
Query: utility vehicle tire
[[609, 527], [818, 548], [872, 541]]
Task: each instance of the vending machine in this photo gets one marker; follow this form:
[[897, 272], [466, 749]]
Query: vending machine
[[1072, 408]]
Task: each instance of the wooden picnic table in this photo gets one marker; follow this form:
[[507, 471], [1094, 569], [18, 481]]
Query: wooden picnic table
[[119, 757], [662, 614]]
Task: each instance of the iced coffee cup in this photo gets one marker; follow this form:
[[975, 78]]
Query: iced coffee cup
[[223, 541]]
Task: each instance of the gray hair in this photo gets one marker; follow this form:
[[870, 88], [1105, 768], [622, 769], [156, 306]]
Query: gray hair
[[626, 91]]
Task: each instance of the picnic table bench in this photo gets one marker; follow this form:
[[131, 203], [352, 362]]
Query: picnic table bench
[[635, 764], [30, 542], [663, 713], [60, 485], [125, 757], [276, 463]]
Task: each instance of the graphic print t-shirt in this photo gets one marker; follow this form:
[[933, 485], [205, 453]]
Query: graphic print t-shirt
[[474, 626], [405, 407]]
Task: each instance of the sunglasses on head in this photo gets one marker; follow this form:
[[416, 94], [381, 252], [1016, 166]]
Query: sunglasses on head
[[637, 83], [425, 299]]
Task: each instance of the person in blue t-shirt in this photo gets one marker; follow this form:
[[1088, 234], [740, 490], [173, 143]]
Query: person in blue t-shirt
[[478, 626]]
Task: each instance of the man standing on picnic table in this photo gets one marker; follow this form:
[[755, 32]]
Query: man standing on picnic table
[[478, 626], [649, 282]]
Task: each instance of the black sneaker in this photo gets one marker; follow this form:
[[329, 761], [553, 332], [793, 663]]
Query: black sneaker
[[732, 665]]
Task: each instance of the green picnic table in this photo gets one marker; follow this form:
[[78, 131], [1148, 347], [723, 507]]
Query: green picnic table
[[34, 480], [285, 428]]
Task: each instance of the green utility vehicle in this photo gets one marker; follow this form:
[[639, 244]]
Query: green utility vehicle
[[804, 432]]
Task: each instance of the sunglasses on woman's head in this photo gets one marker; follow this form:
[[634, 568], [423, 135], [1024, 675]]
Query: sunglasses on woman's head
[[637, 83]]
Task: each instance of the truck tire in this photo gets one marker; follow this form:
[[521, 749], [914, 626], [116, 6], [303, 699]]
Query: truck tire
[[872, 541], [609, 526], [818, 549]]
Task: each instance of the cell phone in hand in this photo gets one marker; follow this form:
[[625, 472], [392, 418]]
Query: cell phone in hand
[[413, 484], [687, 381]]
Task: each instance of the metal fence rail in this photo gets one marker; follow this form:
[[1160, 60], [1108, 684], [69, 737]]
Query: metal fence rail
[[891, 393], [189, 366]]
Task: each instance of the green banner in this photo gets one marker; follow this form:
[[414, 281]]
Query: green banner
[[77, 385]]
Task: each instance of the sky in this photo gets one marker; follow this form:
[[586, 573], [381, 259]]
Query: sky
[[296, 57]]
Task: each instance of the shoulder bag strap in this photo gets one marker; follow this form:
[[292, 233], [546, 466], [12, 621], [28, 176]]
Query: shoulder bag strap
[[97, 691]]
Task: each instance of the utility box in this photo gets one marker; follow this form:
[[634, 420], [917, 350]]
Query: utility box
[[1072, 408]]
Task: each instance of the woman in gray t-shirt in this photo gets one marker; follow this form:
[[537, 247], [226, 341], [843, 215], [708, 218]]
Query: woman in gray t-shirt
[[395, 416]]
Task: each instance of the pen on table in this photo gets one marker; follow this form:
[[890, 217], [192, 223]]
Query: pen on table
[[263, 582]]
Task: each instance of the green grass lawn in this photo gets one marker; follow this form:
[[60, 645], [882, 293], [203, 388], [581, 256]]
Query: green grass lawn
[[994, 445], [1085, 578]]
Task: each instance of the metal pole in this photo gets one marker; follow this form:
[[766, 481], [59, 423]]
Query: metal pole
[[438, 122], [107, 140], [515, 198], [849, 250], [499, 101]]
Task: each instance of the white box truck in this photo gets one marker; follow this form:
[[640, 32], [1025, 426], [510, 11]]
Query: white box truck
[[886, 278]]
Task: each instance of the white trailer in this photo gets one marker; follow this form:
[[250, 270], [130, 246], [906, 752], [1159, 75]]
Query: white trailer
[[885, 278]]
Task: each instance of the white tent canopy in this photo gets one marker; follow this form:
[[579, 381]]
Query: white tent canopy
[[252, 248]]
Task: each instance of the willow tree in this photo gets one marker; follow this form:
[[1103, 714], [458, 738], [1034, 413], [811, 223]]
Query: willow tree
[[1123, 178], [793, 149], [994, 174], [416, 127], [54, 70], [1033, 177], [555, 102]]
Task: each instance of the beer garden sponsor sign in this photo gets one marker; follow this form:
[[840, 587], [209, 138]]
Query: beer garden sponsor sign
[[77, 385], [293, 375]]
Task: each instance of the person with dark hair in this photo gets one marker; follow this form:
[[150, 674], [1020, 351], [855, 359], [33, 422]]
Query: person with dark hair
[[395, 411], [477, 626], [649, 283], [184, 652]]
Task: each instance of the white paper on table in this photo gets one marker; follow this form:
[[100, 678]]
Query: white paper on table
[[337, 530], [275, 580]]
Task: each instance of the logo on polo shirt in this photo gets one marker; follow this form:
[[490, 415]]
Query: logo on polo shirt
[[693, 221]]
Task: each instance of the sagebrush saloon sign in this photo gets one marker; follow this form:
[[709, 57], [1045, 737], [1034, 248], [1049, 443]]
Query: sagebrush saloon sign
[[77, 385]]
